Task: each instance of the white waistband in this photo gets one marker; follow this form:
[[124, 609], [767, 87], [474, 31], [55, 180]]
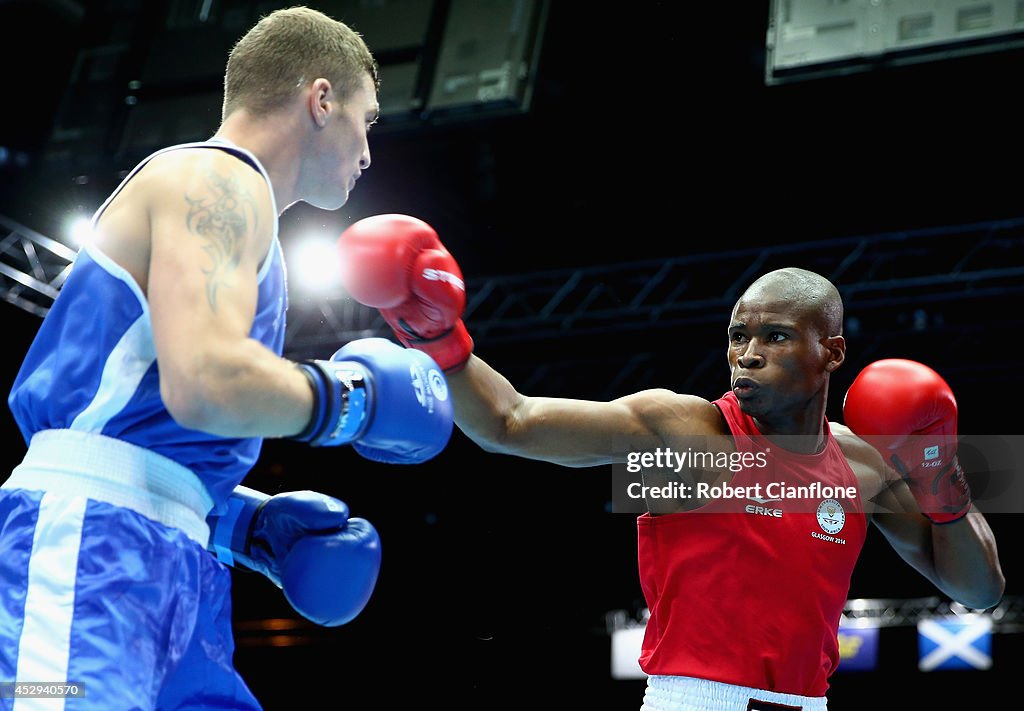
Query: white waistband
[[95, 466], [684, 693]]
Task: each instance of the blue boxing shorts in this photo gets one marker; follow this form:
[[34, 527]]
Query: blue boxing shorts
[[107, 585]]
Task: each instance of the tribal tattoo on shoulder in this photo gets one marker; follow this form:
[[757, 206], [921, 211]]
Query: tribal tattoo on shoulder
[[224, 215]]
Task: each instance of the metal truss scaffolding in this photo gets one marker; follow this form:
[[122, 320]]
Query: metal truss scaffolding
[[954, 283], [1007, 616], [879, 275], [33, 267]]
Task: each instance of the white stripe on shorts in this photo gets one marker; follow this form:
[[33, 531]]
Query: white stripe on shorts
[[50, 600]]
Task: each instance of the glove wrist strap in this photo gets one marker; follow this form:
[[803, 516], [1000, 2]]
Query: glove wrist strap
[[340, 402], [450, 349], [231, 532], [958, 495]]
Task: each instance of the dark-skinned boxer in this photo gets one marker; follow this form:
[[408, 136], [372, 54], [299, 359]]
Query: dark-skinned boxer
[[710, 644]]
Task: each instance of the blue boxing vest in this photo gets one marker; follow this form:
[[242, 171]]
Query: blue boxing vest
[[92, 366]]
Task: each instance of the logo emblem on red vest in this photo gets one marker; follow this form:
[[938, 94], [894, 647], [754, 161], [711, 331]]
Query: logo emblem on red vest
[[831, 516]]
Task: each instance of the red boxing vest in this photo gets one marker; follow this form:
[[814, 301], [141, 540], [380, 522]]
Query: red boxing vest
[[749, 591]]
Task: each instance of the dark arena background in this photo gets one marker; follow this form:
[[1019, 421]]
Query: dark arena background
[[610, 177]]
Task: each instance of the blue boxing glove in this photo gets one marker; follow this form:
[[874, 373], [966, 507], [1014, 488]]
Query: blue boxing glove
[[389, 402], [325, 562]]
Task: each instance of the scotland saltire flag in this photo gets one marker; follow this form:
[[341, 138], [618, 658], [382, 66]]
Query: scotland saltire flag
[[962, 642]]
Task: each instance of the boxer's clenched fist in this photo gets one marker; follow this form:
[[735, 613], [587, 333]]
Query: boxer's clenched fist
[[908, 412], [305, 543], [396, 263]]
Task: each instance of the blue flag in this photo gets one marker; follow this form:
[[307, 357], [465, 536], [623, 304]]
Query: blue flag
[[858, 648], [962, 642]]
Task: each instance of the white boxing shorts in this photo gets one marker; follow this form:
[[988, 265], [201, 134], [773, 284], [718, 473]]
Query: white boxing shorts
[[683, 693]]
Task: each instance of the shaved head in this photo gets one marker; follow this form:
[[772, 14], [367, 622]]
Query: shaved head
[[811, 294]]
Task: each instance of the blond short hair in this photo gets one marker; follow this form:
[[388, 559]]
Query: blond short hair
[[285, 51]]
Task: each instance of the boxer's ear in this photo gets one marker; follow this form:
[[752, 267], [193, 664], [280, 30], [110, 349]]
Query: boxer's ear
[[835, 347], [321, 99]]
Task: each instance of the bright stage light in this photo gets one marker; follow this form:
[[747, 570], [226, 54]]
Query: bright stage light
[[313, 264], [79, 230]]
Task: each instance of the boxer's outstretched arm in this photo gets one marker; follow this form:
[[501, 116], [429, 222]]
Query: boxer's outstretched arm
[[577, 433], [397, 263], [211, 224]]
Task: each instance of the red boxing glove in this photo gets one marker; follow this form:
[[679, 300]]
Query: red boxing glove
[[396, 263], [908, 413]]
